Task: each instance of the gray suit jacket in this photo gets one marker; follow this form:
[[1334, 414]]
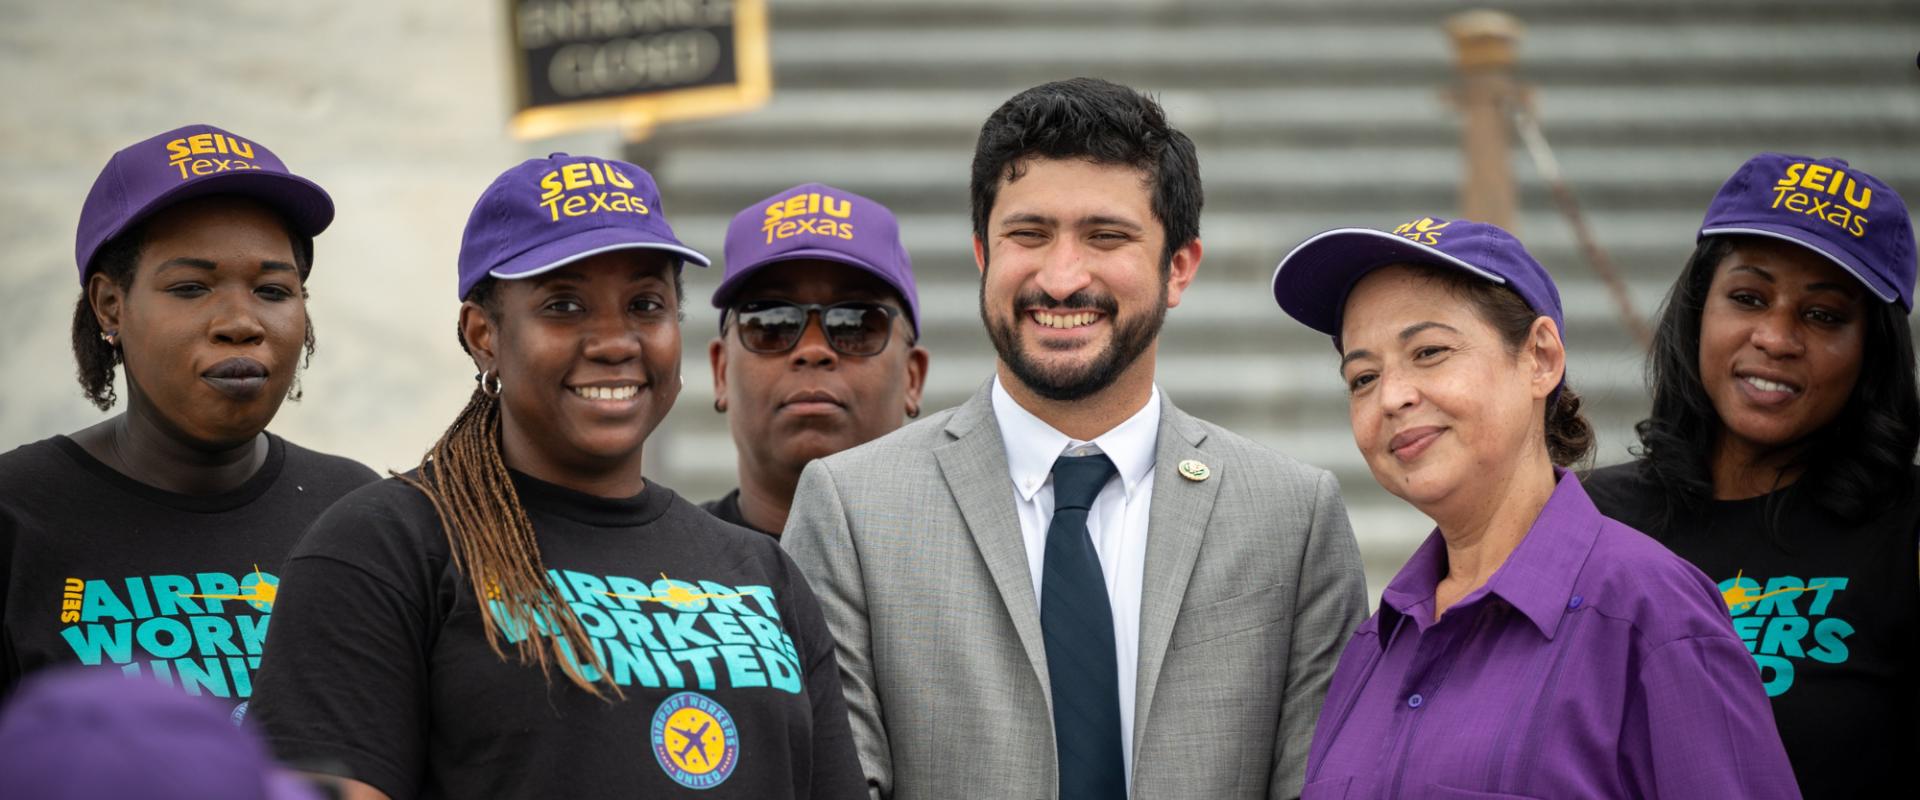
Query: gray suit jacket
[[913, 544]]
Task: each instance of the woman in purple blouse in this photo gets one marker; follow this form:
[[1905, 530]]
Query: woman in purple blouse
[[1531, 647]]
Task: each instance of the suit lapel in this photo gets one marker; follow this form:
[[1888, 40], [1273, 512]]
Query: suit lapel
[[975, 467], [1176, 524]]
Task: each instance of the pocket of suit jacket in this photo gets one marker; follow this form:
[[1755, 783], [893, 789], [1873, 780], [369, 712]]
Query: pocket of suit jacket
[[1256, 609]]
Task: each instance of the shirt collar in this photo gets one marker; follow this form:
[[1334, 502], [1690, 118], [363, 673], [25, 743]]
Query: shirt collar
[[1537, 578], [1033, 445]]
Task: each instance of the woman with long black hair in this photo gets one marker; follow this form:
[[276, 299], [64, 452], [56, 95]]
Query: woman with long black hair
[[1778, 456], [425, 617], [150, 543]]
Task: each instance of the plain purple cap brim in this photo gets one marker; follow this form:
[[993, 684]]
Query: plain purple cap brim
[[1880, 288], [1311, 283], [723, 294], [586, 244], [302, 201]]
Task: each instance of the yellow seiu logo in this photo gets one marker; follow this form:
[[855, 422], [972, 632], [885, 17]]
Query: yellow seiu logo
[[800, 214], [1799, 191], [556, 185], [225, 154], [71, 595], [1425, 230]]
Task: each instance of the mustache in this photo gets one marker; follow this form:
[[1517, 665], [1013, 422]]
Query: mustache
[[1034, 298]]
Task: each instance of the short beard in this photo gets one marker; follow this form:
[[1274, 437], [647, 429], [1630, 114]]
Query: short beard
[[1066, 384]]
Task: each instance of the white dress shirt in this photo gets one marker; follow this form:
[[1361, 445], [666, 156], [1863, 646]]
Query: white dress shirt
[[1117, 522]]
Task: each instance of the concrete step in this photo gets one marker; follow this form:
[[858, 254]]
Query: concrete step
[[1233, 52], [1743, 116], [1245, 245], [1107, 13], [1362, 177]]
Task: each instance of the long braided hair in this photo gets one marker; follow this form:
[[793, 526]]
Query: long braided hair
[[493, 544]]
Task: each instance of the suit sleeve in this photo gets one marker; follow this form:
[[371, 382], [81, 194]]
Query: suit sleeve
[[1330, 600], [820, 539]]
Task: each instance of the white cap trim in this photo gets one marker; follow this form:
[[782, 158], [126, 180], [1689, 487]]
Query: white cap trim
[[1884, 298], [684, 252], [1377, 234]]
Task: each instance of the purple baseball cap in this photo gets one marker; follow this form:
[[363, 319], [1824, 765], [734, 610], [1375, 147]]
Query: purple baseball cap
[[1852, 218], [87, 733], [549, 212], [814, 220], [189, 162], [1312, 282]]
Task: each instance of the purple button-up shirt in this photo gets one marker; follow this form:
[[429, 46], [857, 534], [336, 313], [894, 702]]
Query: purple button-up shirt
[[1594, 663]]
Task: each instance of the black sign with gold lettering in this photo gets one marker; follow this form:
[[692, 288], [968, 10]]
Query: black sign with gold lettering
[[582, 63]]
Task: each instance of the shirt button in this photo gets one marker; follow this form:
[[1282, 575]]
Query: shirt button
[[1415, 701], [1574, 603]]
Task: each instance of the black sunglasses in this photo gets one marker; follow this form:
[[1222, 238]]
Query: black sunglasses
[[854, 328]]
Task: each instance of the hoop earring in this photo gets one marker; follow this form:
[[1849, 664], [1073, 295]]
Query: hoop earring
[[913, 412], [717, 407], [489, 382]]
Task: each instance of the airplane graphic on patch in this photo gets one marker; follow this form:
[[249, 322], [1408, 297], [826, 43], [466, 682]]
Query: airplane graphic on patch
[[1738, 595], [254, 589], [693, 747], [677, 594]]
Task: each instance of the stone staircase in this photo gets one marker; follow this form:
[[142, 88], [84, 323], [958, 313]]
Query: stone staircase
[[1309, 115]]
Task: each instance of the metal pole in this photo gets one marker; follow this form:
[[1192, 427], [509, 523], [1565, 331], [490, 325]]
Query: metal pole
[[1484, 44]]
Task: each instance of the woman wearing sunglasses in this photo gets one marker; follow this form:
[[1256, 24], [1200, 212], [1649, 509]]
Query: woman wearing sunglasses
[[1530, 647], [1778, 457], [816, 353], [526, 615]]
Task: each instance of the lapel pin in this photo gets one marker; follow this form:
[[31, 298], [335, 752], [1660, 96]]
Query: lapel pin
[[1194, 471]]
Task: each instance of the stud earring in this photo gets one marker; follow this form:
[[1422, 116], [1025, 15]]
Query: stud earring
[[109, 337]]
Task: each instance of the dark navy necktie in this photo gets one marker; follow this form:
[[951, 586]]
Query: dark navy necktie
[[1077, 624]]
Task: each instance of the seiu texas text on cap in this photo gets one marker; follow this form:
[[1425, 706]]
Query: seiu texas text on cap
[[548, 212], [1853, 219], [1313, 281], [817, 221], [184, 163]]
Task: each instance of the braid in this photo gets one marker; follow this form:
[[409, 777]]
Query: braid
[[492, 541]]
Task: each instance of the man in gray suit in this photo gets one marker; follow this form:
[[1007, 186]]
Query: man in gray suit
[[1066, 587]]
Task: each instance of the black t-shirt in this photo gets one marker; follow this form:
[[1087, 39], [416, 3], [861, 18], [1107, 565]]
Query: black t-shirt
[[381, 666], [1830, 611], [106, 571], [727, 509]]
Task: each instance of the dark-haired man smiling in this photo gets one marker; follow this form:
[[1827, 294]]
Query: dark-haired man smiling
[[1066, 587], [816, 353]]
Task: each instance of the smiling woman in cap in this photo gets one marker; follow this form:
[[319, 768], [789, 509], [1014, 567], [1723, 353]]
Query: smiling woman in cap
[[1531, 647], [149, 543], [425, 617], [1778, 457], [794, 390]]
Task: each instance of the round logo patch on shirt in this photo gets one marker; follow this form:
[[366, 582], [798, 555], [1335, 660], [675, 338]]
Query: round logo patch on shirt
[[695, 740]]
